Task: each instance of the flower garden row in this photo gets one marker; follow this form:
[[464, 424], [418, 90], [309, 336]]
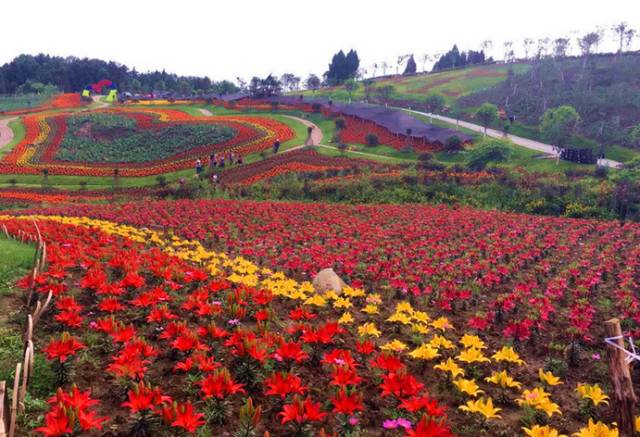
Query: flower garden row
[[61, 101], [45, 132], [155, 332], [297, 161]]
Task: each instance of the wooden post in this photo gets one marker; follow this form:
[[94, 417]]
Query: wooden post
[[623, 398], [14, 401], [4, 409]]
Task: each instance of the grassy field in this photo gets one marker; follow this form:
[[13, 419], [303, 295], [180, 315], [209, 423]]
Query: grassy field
[[451, 84], [18, 134], [15, 260], [12, 103]]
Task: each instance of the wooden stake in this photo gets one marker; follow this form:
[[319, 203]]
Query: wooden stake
[[14, 401], [4, 409], [623, 397]]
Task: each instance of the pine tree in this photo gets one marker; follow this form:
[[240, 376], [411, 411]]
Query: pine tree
[[411, 67]]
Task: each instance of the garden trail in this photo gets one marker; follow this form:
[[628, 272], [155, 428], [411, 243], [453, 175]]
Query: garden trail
[[317, 136], [6, 133], [205, 111], [97, 103], [524, 142]]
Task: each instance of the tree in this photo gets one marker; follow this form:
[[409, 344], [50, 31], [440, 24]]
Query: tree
[[350, 86], [313, 82], [385, 92], [425, 58], [543, 48], [487, 114], [434, 103], [384, 66], [185, 88], [508, 51], [368, 87], [527, 44], [267, 87], [290, 81], [410, 67], [623, 34], [342, 67], [374, 68], [587, 43], [557, 125], [560, 47], [634, 135], [486, 45]]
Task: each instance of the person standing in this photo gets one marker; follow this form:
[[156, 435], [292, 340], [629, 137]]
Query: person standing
[[199, 167], [276, 146]]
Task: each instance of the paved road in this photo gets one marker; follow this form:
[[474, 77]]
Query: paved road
[[524, 142], [6, 133]]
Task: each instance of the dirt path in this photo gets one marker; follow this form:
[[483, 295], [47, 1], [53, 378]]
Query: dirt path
[[205, 111], [97, 103], [316, 133], [6, 133], [524, 142]]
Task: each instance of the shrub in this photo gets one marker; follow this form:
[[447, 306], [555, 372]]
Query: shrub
[[406, 149], [601, 172], [487, 153], [162, 180], [453, 144], [425, 157], [340, 122], [342, 147], [316, 107], [372, 139]]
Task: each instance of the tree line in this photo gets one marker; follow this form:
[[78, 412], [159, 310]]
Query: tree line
[[27, 73]]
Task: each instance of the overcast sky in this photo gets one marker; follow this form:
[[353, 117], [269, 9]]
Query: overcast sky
[[229, 38]]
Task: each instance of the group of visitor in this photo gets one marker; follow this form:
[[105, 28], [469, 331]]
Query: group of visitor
[[218, 160]]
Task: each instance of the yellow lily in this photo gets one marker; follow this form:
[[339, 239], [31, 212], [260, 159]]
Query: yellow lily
[[503, 380], [316, 300], [592, 392], [548, 378], [368, 329], [509, 355], [342, 302], [345, 319], [371, 309], [403, 318], [439, 342], [597, 429], [540, 400], [395, 345], [451, 367], [442, 323], [484, 407], [472, 341], [471, 356], [542, 431], [425, 352], [468, 386]]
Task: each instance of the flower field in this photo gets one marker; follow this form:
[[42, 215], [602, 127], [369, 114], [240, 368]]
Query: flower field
[[298, 161], [61, 101], [47, 143], [457, 320]]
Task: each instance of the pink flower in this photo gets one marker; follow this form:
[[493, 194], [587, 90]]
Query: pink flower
[[353, 421]]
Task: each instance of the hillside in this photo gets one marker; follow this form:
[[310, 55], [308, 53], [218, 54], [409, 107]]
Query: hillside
[[451, 84]]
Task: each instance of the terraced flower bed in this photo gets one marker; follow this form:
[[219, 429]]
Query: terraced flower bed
[[115, 138], [136, 142]]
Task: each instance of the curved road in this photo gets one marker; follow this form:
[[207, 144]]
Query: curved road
[[6, 133], [524, 142]]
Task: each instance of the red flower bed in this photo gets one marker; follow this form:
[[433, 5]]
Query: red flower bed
[[290, 162], [61, 101], [356, 131], [511, 274], [174, 350]]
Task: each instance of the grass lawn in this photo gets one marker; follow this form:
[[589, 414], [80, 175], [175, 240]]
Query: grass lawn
[[15, 261], [12, 103]]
